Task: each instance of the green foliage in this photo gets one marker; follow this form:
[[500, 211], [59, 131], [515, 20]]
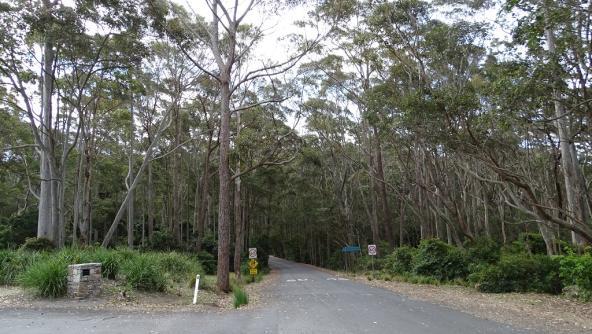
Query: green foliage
[[483, 250], [47, 278], [162, 241], [439, 260], [577, 271], [14, 263], [532, 243], [37, 244], [519, 273], [110, 261], [178, 267], [401, 260], [208, 262], [15, 230], [143, 273], [240, 296]]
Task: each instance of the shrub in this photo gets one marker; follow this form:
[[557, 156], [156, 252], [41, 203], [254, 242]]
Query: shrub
[[439, 260], [483, 250], [178, 266], [14, 263], [110, 262], [401, 260], [143, 273], [162, 241], [48, 278], [577, 271], [532, 243], [38, 244], [519, 273], [240, 296], [208, 262]]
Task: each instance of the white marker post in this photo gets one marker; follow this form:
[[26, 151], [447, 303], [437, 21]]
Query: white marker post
[[196, 290]]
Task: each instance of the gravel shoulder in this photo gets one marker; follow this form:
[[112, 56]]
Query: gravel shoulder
[[547, 313], [177, 299]]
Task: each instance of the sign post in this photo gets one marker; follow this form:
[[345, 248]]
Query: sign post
[[372, 253], [253, 268], [350, 249], [253, 262]]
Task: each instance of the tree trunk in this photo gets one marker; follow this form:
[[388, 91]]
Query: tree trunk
[[45, 217], [224, 179], [382, 194], [573, 189], [238, 219], [147, 157], [203, 207], [176, 205], [130, 177]]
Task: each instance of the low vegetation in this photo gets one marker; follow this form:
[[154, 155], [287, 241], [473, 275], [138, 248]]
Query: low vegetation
[[45, 273], [240, 296], [519, 267]]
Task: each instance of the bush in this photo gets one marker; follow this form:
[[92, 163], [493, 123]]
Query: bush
[[577, 271], [208, 262], [37, 244], [110, 262], [401, 260], [483, 250], [162, 241], [47, 278], [439, 260], [519, 273], [14, 263], [143, 273], [178, 267], [240, 296], [532, 243]]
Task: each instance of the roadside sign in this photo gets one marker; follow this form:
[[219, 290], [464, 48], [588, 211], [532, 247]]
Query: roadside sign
[[252, 253], [253, 271], [351, 249], [253, 264], [372, 250]]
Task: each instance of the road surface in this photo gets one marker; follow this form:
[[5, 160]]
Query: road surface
[[301, 300]]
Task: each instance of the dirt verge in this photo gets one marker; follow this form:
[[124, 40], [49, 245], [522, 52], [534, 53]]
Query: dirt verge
[[547, 313]]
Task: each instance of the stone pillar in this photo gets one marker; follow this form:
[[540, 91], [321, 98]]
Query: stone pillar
[[84, 280]]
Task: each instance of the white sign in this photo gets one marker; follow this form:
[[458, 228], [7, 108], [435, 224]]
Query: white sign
[[252, 253], [372, 250]]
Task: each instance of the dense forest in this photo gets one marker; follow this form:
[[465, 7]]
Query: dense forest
[[155, 125]]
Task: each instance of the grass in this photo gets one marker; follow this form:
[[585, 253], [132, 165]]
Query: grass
[[14, 263], [143, 273], [46, 272], [240, 296], [46, 278]]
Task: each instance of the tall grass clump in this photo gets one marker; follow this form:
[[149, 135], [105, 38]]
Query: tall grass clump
[[178, 267], [142, 272], [240, 296], [14, 263], [48, 278]]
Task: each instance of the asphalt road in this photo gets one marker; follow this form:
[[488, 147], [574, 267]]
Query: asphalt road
[[302, 300]]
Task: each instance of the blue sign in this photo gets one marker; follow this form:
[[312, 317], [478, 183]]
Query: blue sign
[[351, 249]]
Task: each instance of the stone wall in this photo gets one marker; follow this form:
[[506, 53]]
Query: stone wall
[[84, 280]]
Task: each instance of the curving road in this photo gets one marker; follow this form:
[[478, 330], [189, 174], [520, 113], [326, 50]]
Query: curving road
[[303, 299]]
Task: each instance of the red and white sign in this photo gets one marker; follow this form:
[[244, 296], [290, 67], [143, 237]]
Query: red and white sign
[[372, 250]]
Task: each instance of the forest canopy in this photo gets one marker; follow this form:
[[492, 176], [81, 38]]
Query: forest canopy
[[154, 125]]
